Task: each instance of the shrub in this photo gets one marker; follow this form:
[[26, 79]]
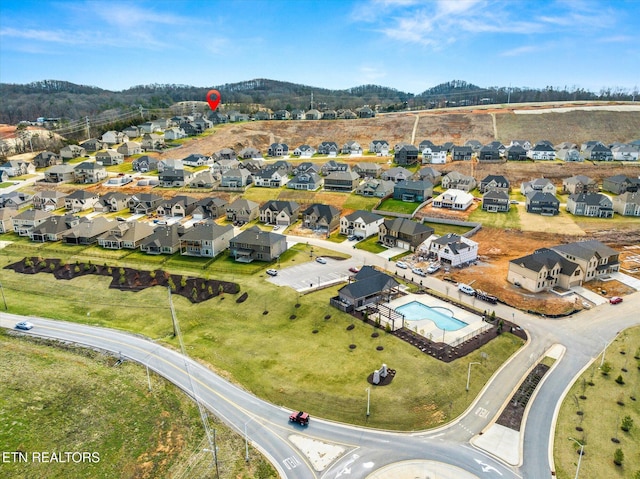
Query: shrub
[[42, 264], [605, 369], [52, 266], [387, 328], [627, 423], [618, 457], [620, 379], [76, 269], [183, 281], [152, 274]]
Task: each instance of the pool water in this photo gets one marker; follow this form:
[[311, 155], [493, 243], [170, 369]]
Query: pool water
[[442, 317]]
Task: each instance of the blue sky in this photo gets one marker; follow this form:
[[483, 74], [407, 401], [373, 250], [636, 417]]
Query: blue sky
[[410, 45]]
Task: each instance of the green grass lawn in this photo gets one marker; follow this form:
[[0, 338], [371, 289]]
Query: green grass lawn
[[509, 220], [6, 184], [359, 202], [65, 399], [398, 206], [602, 415], [371, 245], [442, 229], [256, 349]]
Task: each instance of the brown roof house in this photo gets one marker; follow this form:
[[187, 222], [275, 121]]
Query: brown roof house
[[87, 231], [164, 240], [48, 200], [125, 235]]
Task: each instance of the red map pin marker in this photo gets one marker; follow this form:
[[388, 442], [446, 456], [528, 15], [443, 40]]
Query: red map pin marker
[[215, 101]]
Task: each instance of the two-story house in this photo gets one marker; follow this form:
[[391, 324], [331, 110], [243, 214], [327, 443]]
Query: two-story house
[[361, 224], [403, 233], [253, 244]]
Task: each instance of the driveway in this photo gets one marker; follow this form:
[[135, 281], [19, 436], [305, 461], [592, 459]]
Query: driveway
[[391, 252], [626, 279]]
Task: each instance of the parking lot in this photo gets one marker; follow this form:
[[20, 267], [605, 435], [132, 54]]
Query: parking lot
[[304, 277]]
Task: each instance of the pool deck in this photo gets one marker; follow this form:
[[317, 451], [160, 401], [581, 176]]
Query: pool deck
[[428, 328]]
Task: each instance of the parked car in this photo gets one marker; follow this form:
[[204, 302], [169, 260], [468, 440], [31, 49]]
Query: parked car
[[321, 260], [351, 237], [353, 269], [24, 325], [466, 289], [401, 265], [272, 272], [514, 202], [615, 300], [433, 268], [276, 228], [418, 271]]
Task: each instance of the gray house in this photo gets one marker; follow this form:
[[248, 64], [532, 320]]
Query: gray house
[[590, 204], [495, 201], [341, 181], [627, 204], [242, 210], [207, 239], [494, 183], [309, 181], [323, 218], [406, 154], [253, 244], [403, 233], [283, 213], [542, 203], [619, 184], [415, 191], [163, 240], [375, 188]]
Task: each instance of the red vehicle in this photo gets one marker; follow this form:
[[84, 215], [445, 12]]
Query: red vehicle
[[615, 300], [300, 417], [353, 269]]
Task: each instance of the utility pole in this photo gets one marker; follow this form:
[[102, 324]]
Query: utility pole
[[86, 127], [509, 94]]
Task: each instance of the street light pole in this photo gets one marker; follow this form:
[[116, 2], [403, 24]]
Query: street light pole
[[368, 400], [246, 443], [581, 452], [469, 374]]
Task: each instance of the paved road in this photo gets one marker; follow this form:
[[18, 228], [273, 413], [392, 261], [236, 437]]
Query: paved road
[[363, 451]]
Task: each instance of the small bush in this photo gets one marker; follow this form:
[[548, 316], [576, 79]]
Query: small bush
[[605, 369], [627, 423], [620, 379], [618, 457]]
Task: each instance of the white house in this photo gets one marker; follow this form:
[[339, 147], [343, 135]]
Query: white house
[[453, 199], [361, 223], [451, 249]]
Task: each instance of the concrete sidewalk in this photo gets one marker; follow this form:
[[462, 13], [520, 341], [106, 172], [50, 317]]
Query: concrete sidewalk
[[416, 469]]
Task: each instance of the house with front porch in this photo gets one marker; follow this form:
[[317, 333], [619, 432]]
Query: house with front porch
[[544, 270], [144, 203], [594, 258], [210, 208], [89, 172], [129, 148], [321, 218], [494, 183], [270, 177], [403, 233], [112, 201], [48, 200], [46, 159], [590, 204], [179, 206], [242, 210], [361, 224], [278, 149], [379, 147], [110, 157], [544, 185], [60, 174], [18, 168], [304, 151], [254, 244], [207, 239], [80, 200], [282, 213]]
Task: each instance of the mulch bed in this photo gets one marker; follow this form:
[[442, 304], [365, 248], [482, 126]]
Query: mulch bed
[[195, 290], [513, 412]]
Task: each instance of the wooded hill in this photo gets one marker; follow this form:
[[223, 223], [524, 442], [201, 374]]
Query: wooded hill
[[62, 99]]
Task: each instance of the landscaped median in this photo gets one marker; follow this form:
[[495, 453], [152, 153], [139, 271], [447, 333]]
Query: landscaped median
[[601, 412]]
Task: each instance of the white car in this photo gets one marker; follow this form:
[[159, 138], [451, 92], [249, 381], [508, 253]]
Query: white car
[[418, 271], [272, 272], [401, 265], [433, 268], [321, 260], [24, 325], [466, 289]]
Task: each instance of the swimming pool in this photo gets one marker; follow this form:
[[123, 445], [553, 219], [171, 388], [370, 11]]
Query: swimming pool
[[442, 317]]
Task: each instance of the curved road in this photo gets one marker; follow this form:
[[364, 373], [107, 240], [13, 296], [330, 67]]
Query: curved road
[[355, 452]]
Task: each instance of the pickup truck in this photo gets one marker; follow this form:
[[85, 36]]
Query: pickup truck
[[300, 417]]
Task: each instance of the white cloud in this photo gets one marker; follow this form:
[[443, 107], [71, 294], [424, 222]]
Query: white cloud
[[516, 52]]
